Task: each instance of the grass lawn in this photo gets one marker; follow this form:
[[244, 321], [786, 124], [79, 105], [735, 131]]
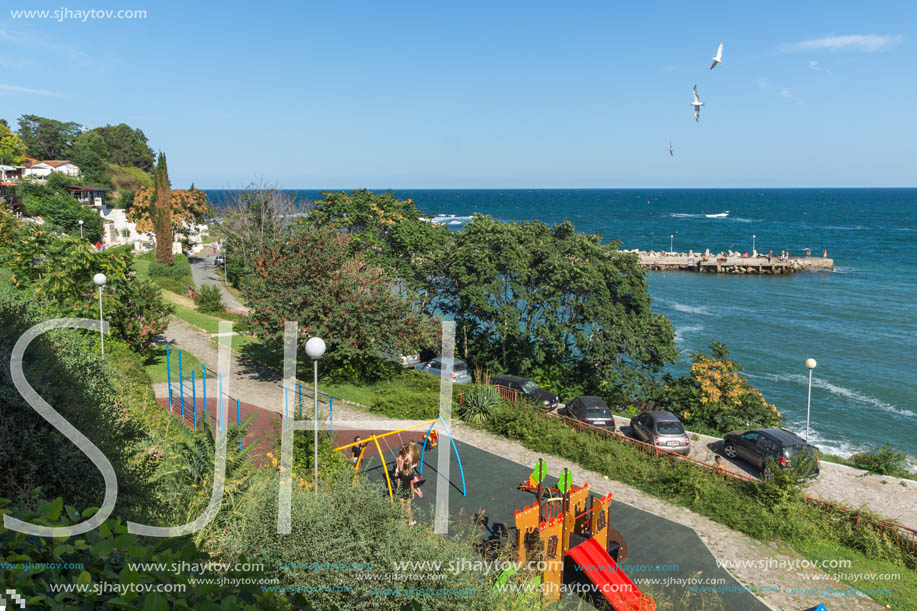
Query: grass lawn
[[185, 310], [362, 394], [156, 367]]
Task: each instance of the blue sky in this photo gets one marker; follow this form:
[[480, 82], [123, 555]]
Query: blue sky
[[489, 95]]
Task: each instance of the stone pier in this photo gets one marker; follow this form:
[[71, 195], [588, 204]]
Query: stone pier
[[731, 262]]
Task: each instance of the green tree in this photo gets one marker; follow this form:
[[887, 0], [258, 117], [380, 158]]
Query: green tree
[[126, 146], [63, 213], [11, 147], [556, 305], [47, 138], [90, 153], [390, 232], [311, 277], [161, 212]]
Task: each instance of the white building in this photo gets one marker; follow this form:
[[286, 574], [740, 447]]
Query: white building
[[43, 169]]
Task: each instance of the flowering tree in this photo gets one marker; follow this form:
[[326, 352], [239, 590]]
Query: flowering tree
[[716, 397], [138, 314]]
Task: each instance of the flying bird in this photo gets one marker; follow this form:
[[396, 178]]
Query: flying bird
[[671, 154], [719, 57], [696, 104]]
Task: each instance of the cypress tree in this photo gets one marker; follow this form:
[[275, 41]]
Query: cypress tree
[[161, 212]]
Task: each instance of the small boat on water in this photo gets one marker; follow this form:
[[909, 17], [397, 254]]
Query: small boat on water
[[718, 215]]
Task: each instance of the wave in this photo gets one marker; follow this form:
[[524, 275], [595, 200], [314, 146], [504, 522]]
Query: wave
[[680, 331], [684, 215], [447, 219], [718, 215], [689, 309], [839, 391], [845, 227]]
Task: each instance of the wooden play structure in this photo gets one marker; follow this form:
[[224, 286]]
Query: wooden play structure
[[550, 524], [430, 440]]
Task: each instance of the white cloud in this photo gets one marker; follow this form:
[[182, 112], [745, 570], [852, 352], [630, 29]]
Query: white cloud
[[763, 83], [17, 89], [813, 65], [786, 93], [867, 43]]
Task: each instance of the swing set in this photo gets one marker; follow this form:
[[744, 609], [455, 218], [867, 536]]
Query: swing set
[[430, 439]]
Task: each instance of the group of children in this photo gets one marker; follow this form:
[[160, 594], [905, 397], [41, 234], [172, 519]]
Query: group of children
[[406, 475]]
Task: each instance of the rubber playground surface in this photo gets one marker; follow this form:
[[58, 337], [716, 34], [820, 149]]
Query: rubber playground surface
[[651, 541]]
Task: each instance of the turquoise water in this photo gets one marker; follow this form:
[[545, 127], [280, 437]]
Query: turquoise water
[[859, 322]]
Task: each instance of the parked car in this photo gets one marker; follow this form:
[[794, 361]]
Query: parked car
[[663, 430], [528, 389], [435, 367], [591, 410], [219, 260], [756, 446]]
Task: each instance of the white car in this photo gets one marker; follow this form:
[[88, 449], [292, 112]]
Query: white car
[[459, 374]]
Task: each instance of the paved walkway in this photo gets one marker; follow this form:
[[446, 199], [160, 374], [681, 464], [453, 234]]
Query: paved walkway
[[260, 386], [204, 272]]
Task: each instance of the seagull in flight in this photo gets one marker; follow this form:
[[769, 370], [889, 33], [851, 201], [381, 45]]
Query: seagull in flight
[[719, 57], [671, 154], [696, 104]]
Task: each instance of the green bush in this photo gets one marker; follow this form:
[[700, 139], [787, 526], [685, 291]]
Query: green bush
[[883, 461], [410, 396], [102, 556], [479, 401], [176, 277], [209, 299], [63, 213], [354, 525], [139, 314]]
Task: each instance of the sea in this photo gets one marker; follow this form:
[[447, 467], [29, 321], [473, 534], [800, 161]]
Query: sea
[[859, 321]]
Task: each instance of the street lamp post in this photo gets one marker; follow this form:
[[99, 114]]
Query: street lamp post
[[671, 242], [315, 348], [810, 363], [81, 229], [100, 279]]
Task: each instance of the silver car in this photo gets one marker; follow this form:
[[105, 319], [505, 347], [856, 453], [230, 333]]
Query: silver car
[[435, 367], [663, 430]]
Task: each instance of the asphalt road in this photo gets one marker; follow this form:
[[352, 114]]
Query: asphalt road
[[205, 272]]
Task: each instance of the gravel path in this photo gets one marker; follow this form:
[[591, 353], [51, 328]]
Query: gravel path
[[260, 386]]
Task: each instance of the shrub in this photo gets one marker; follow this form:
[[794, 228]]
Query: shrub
[[209, 299], [354, 525], [478, 403], [102, 555], [883, 461], [63, 213], [716, 398], [139, 314], [176, 277]]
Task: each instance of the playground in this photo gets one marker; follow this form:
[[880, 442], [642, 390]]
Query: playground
[[656, 548], [587, 539]]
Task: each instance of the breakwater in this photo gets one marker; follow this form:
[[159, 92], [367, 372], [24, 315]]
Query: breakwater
[[731, 262]]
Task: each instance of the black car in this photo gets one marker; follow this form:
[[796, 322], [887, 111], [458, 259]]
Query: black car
[[591, 410], [663, 430], [756, 446], [528, 389]]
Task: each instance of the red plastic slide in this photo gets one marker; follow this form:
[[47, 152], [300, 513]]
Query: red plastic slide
[[611, 581]]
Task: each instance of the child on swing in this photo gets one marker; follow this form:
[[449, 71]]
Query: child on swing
[[404, 474]]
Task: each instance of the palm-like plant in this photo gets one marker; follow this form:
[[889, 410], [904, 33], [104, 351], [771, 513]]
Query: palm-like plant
[[479, 402]]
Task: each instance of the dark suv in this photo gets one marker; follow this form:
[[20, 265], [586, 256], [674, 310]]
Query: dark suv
[[758, 445], [591, 410], [528, 389]]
